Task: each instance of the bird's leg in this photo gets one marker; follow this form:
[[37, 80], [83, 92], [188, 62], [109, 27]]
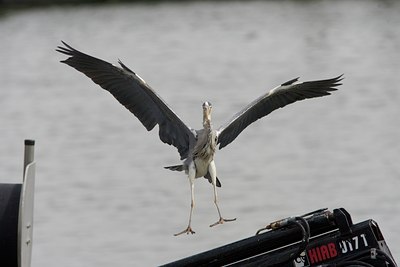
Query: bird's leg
[[221, 219], [213, 174], [191, 176]]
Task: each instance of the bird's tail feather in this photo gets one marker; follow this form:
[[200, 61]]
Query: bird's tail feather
[[178, 168], [208, 177]]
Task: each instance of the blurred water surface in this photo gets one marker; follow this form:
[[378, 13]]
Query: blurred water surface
[[103, 198]]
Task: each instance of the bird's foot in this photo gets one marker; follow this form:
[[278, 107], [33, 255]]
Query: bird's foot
[[222, 220], [187, 231]]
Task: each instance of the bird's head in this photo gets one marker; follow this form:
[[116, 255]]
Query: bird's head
[[207, 106], [207, 112]]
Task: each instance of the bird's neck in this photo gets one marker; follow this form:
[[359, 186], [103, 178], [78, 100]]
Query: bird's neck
[[207, 123]]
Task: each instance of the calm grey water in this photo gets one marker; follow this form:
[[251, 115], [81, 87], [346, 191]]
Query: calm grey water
[[103, 198]]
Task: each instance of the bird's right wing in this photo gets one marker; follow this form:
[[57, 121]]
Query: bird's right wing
[[135, 94], [287, 93]]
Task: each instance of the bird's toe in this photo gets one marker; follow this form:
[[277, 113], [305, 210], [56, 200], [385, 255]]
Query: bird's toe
[[187, 231], [221, 221]]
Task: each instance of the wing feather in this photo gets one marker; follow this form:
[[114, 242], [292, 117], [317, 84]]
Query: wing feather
[[287, 93], [135, 94]]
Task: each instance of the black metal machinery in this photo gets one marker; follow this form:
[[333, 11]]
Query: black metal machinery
[[320, 238]]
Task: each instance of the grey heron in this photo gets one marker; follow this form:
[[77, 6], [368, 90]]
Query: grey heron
[[196, 147]]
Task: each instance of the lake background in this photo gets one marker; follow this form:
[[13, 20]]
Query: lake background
[[102, 196]]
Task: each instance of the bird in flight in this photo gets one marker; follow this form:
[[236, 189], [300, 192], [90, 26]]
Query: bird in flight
[[196, 147]]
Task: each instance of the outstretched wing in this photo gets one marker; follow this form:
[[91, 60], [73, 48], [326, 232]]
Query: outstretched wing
[[135, 94], [287, 93]]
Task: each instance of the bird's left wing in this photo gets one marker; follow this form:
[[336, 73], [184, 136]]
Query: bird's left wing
[[287, 93], [135, 94]]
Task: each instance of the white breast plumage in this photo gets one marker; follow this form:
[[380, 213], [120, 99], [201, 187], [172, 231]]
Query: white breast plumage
[[203, 152]]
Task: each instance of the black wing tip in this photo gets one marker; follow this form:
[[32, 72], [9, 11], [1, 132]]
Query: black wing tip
[[338, 78], [69, 50], [336, 82], [329, 84], [62, 48], [332, 84], [66, 50]]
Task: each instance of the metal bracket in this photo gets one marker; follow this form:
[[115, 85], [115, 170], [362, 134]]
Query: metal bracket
[[343, 221]]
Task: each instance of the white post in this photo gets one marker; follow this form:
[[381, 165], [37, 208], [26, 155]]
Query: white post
[[25, 218], [29, 154]]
